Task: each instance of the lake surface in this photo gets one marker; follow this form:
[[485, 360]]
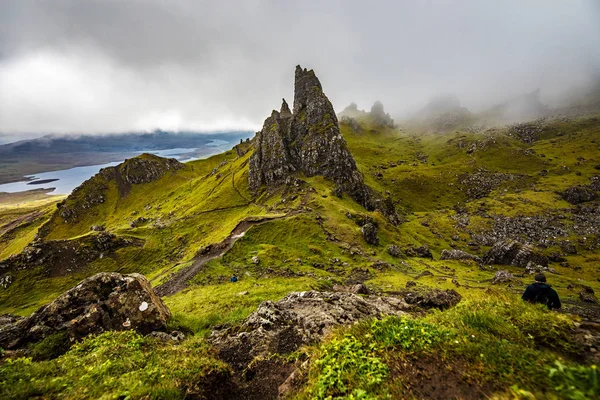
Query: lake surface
[[64, 181]]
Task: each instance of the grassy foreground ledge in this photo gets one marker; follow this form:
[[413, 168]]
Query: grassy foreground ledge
[[496, 347], [499, 347]]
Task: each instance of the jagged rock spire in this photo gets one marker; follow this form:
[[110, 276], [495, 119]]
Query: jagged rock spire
[[285, 110], [308, 141]]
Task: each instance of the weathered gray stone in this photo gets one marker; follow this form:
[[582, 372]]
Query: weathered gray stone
[[455, 254], [298, 319], [511, 252], [103, 302]]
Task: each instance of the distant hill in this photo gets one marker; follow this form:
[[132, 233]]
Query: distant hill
[[54, 152]]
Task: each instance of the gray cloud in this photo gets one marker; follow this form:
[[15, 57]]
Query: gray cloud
[[115, 65]]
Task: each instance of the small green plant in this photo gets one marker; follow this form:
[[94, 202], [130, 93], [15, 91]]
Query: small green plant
[[575, 383], [347, 367], [409, 334]]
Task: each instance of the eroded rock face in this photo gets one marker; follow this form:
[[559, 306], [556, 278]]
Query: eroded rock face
[[511, 252], [62, 257], [103, 302], [307, 140], [298, 319]]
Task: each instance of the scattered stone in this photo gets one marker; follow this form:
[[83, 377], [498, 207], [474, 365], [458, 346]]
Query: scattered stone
[[421, 251], [579, 194], [424, 273], [103, 302], [174, 336], [502, 276], [244, 293], [255, 260], [427, 298], [359, 288], [394, 251], [587, 295], [369, 232], [97, 228], [455, 254]]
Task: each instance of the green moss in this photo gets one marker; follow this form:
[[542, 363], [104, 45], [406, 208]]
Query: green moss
[[116, 365]]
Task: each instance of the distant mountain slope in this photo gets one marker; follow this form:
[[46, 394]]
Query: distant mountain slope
[[55, 152]]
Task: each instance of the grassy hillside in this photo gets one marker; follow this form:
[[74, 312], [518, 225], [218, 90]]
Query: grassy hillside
[[454, 190]]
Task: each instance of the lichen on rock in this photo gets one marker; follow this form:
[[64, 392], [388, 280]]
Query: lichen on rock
[[103, 302]]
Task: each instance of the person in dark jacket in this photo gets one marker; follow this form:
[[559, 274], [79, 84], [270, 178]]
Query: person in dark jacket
[[541, 292]]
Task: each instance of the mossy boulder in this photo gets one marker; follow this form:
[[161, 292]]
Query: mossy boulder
[[103, 302]]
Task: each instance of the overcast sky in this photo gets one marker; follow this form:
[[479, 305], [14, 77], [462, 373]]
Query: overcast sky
[[117, 65]]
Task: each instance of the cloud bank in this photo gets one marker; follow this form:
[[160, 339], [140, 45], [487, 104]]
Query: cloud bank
[[85, 66]]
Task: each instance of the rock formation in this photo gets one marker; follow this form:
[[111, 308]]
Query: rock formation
[[511, 252], [298, 319], [308, 141], [103, 302], [63, 257], [580, 194], [380, 116]]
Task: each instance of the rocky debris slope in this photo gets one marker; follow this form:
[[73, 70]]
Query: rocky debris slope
[[142, 169], [62, 257], [307, 140], [298, 319], [511, 252], [481, 182], [103, 302]]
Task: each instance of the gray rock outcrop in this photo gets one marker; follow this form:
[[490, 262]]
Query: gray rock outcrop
[[579, 194], [455, 254], [298, 319], [307, 140], [511, 252], [103, 302]]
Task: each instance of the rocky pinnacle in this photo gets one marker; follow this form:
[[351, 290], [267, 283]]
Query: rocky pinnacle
[[308, 141]]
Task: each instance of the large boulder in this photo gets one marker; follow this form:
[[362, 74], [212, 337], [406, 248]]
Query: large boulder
[[103, 302], [300, 318], [511, 252]]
